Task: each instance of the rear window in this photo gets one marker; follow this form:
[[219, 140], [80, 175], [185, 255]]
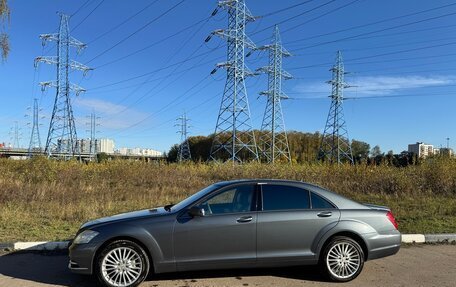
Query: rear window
[[282, 197], [319, 202]]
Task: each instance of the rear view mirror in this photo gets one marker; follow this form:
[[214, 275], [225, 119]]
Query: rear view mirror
[[196, 211]]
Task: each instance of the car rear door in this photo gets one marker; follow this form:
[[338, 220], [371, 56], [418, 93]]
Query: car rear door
[[225, 237], [288, 226]]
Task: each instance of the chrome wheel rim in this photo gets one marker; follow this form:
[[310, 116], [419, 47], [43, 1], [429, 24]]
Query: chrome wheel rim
[[343, 260], [121, 266]]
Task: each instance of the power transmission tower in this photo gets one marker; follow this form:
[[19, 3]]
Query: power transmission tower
[[93, 146], [335, 145], [273, 139], [184, 148], [16, 135], [234, 139], [62, 137], [35, 140]]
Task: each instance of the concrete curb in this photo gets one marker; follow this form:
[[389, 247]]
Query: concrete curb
[[61, 245]]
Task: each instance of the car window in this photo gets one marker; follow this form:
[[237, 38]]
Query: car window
[[319, 202], [282, 197], [236, 199]]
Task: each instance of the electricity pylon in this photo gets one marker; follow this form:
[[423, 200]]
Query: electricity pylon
[[16, 135], [273, 139], [234, 139], [335, 145], [62, 137], [93, 148], [35, 140], [184, 153]]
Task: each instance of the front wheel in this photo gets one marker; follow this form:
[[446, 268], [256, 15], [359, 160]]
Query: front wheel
[[342, 259], [122, 263]]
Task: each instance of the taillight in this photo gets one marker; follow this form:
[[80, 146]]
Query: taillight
[[391, 218]]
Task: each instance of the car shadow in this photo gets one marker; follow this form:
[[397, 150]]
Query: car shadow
[[51, 268], [305, 273]]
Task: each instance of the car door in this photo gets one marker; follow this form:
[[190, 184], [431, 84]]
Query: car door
[[225, 237], [287, 226]]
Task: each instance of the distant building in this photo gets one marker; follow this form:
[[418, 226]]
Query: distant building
[[139, 151], [105, 145], [421, 149], [446, 152]]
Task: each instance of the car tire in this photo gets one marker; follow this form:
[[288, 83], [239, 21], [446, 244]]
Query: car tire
[[342, 259], [122, 263]]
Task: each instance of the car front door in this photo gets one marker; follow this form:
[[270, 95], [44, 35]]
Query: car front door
[[287, 226], [225, 237]]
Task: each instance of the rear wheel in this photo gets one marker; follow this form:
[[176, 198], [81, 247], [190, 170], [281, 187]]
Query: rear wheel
[[122, 263], [342, 260]]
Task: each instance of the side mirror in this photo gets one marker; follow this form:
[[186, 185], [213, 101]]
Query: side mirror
[[196, 211]]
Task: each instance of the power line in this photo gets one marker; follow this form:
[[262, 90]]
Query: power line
[[376, 31], [137, 31], [153, 44], [123, 22], [381, 55], [85, 18], [283, 9], [80, 8], [371, 23], [293, 17]]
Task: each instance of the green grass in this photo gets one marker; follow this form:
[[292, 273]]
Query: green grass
[[49, 200]]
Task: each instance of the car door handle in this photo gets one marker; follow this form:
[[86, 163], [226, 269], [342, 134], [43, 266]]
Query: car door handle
[[244, 219], [324, 214]]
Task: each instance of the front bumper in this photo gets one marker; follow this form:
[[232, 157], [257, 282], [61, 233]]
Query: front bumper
[[81, 257]]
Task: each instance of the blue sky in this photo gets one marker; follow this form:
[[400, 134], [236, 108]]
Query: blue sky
[[402, 67]]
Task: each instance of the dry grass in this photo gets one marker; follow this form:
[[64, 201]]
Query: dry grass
[[48, 200]]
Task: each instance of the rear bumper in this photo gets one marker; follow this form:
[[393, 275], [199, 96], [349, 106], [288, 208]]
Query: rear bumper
[[382, 245], [81, 258]]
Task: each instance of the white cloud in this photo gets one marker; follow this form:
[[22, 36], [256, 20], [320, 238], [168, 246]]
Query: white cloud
[[112, 116], [377, 85]]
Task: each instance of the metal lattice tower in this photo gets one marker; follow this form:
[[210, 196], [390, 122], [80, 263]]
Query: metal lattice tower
[[273, 140], [234, 138], [62, 137], [184, 148], [16, 135], [35, 140], [93, 148], [335, 146]]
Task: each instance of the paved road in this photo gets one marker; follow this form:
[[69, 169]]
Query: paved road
[[424, 265]]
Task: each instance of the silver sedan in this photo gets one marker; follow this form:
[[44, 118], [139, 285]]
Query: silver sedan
[[238, 224]]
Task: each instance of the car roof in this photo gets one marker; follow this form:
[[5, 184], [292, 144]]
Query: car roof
[[340, 201]]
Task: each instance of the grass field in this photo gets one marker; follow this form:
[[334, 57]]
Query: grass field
[[49, 200]]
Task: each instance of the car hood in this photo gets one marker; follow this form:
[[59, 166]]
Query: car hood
[[126, 216]]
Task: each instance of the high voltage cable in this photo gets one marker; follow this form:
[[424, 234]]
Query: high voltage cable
[[371, 23], [137, 31], [123, 22], [379, 55], [153, 44], [377, 97], [380, 89], [320, 16], [174, 70], [376, 31], [85, 18], [80, 8], [293, 17], [153, 71], [284, 9]]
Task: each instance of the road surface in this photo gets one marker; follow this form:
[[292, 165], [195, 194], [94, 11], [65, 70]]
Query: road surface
[[421, 265]]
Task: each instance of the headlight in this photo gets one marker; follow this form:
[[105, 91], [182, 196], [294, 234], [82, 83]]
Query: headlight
[[85, 236]]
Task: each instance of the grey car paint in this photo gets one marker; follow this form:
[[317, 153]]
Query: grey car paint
[[175, 241]]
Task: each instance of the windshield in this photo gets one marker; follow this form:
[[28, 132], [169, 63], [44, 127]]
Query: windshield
[[195, 197]]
